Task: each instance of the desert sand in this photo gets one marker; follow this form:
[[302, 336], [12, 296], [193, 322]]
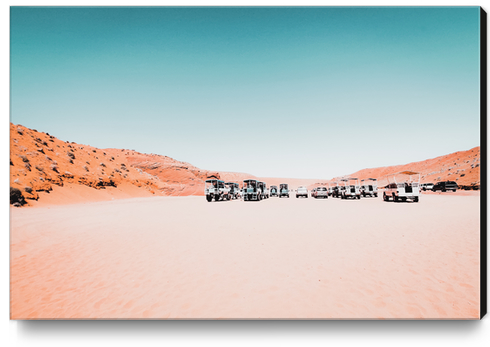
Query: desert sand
[[182, 257]]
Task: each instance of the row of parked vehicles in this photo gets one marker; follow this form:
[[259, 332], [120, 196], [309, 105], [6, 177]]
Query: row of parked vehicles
[[401, 186], [252, 190]]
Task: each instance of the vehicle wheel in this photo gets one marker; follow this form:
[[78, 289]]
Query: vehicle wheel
[[209, 198], [444, 190], [359, 197], [385, 197], [216, 198], [376, 195], [404, 199], [416, 199], [395, 198]]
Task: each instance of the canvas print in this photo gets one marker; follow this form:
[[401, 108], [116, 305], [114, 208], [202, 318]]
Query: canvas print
[[245, 163]]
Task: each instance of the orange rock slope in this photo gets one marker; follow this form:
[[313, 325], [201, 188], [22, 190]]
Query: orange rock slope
[[40, 162], [462, 167]]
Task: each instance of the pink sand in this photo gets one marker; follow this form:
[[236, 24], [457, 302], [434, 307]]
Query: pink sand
[[182, 257]]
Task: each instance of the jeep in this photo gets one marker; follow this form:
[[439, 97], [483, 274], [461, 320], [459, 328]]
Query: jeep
[[403, 186], [369, 187], [216, 189], [351, 188], [283, 190], [251, 190]]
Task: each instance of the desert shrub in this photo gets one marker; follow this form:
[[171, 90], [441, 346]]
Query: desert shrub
[[85, 167], [24, 158], [28, 189], [71, 155], [39, 168], [20, 131], [16, 196], [27, 166], [54, 167], [102, 164], [70, 161]]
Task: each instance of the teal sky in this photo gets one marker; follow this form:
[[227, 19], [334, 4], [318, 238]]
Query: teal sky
[[285, 92]]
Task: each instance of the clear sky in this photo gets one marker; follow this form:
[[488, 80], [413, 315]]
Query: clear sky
[[284, 92]]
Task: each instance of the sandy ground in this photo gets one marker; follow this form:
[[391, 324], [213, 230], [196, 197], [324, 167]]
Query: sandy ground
[[182, 257]]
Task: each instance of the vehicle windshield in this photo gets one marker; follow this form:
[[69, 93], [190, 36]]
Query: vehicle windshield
[[321, 188], [249, 184], [211, 184]]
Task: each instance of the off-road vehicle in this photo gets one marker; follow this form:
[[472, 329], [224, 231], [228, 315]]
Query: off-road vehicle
[[263, 189], [403, 186], [234, 190], [251, 190], [274, 191], [350, 188], [283, 190], [369, 187], [334, 190], [216, 189]]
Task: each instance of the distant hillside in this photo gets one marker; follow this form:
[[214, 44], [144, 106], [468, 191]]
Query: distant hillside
[[462, 167]]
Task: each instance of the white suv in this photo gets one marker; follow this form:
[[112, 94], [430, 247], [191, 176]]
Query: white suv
[[320, 192], [302, 191]]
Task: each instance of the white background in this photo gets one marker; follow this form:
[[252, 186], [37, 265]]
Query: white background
[[214, 333]]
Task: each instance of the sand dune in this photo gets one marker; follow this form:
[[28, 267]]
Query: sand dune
[[181, 257]]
